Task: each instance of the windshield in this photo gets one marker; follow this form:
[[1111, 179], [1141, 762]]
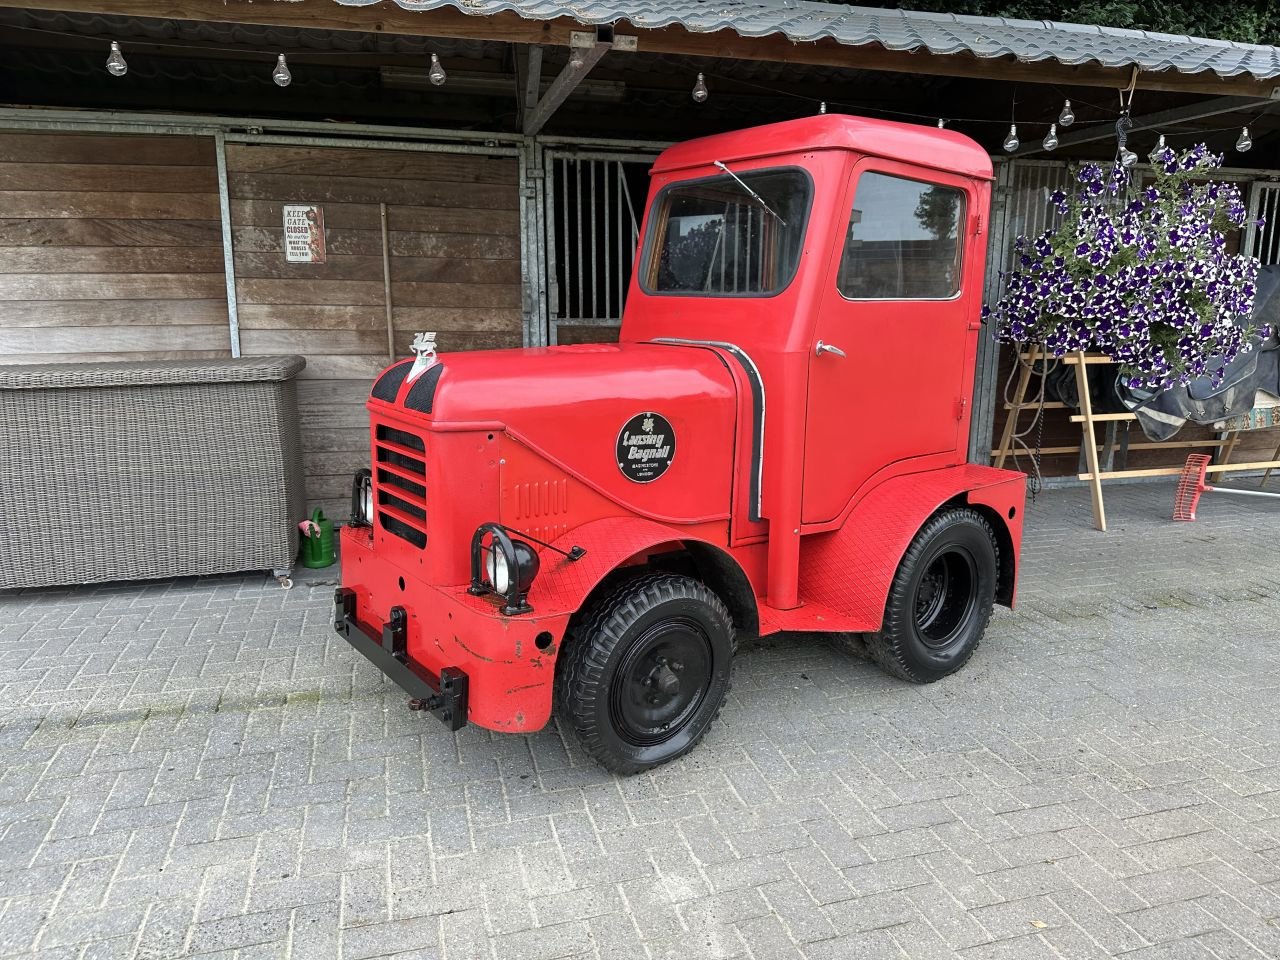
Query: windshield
[[738, 234]]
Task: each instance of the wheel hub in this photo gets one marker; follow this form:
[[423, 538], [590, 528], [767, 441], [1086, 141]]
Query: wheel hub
[[661, 681], [945, 598], [665, 679]]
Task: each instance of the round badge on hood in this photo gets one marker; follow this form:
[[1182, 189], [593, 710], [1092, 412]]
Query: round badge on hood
[[646, 447]]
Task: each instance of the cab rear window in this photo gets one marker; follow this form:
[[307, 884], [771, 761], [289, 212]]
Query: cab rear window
[[727, 237]]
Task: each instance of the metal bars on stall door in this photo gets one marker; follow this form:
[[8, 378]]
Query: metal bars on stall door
[[1019, 207], [1263, 242], [592, 216]]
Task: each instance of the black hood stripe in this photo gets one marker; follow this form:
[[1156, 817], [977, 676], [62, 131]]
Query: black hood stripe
[[387, 387], [423, 392]]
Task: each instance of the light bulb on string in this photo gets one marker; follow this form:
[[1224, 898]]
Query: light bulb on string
[[942, 124], [1160, 143], [700, 91], [115, 61], [1066, 117], [575, 58], [1011, 142], [1051, 138], [1245, 143], [281, 74], [1127, 157], [436, 74], [822, 107]]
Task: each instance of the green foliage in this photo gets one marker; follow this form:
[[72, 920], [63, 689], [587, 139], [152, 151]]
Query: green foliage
[[1247, 21]]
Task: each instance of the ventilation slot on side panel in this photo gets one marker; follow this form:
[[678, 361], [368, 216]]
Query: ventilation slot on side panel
[[400, 484]]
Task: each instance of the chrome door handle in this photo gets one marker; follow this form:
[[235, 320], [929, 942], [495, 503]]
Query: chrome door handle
[[822, 348]]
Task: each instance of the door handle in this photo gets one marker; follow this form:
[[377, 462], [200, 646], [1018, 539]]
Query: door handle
[[822, 348]]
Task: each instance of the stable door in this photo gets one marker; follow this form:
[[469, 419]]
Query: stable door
[[886, 368]]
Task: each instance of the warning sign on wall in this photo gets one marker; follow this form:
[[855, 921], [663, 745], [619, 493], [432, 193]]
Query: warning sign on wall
[[303, 233]]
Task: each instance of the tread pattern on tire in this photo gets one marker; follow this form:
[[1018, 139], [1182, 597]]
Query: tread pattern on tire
[[884, 648], [597, 634]]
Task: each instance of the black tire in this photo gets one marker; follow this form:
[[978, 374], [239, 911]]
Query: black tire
[[940, 600], [647, 669]]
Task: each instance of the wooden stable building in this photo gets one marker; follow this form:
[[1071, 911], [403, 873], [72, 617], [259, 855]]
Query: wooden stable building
[[143, 215]]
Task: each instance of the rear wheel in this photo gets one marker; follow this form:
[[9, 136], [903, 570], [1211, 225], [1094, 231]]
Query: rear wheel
[[647, 670], [940, 599]]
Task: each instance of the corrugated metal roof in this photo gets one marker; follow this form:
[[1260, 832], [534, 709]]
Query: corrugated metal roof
[[907, 30]]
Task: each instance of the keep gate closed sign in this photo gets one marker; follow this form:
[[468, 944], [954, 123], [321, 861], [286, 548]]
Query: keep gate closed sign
[[303, 233]]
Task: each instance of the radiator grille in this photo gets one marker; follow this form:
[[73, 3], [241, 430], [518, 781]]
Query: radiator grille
[[400, 484]]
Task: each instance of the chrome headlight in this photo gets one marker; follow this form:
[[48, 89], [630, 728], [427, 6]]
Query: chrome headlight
[[362, 498], [495, 567], [502, 565]]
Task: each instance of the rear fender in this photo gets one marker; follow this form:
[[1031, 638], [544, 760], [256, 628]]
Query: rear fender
[[851, 569]]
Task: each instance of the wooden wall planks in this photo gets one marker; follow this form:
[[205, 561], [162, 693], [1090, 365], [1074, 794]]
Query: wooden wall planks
[[110, 248], [454, 238]]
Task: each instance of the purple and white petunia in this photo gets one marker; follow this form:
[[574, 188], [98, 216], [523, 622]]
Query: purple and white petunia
[[1139, 274]]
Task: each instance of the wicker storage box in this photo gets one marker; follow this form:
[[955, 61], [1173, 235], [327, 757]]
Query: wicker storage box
[[127, 471]]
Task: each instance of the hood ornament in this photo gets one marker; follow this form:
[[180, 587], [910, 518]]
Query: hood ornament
[[424, 349]]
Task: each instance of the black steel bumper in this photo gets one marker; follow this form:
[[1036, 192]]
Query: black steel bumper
[[445, 695]]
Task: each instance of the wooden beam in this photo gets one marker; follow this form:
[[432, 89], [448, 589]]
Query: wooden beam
[[585, 51], [509, 27], [1154, 121], [532, 84]]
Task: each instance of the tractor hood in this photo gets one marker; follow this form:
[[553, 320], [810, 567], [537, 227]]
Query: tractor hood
[[652, 426]]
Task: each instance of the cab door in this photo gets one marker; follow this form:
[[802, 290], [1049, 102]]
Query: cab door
[[889, 358]]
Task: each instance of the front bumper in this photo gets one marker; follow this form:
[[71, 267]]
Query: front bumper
[[444, 695], [509, 662]]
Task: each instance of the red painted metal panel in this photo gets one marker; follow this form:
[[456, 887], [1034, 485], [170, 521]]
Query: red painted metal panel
[[510, 676], [569, 404], [903, 389], [850, 569], [944, 150]]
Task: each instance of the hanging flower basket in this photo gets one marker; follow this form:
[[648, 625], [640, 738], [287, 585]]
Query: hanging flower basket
[[1141, 274]]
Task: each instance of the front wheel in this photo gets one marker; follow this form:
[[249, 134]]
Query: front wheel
[[940, 599], [646, 672]]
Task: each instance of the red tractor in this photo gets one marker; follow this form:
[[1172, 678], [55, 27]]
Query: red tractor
[[777, 443]]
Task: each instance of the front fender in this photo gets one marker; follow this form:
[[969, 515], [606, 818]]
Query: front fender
[[563, 585], [851, 569]]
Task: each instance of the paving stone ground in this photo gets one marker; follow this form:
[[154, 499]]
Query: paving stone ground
[[203, 769]]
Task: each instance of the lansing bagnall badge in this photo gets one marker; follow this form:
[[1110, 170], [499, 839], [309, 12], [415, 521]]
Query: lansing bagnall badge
[[646, 447]]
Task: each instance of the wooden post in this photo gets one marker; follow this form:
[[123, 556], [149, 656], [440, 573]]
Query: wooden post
[[1267, 476], [386, 283], [1089, 441], [1015, 408], [1232, 439]]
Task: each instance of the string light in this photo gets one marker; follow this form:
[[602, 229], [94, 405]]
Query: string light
[[115, 61], [822, 107], [1245, 143], [942, 124], [436, 74], [1066, 117], [1127, 157], [575, 58], [700, 91], [1051, 138], [1160, 143], [1011, 142], [281, 74]]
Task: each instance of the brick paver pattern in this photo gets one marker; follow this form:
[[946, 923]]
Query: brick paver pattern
[[203, 769]]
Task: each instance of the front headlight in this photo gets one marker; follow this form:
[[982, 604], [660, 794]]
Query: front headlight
[[362, 498], [495, 566], [502, 565]]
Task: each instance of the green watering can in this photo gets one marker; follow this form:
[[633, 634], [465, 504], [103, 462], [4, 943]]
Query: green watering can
[[317, 540]]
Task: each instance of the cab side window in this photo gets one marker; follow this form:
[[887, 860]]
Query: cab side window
[[903, 241]]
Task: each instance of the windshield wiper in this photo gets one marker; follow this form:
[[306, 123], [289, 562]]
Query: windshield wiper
[[755, 196]]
